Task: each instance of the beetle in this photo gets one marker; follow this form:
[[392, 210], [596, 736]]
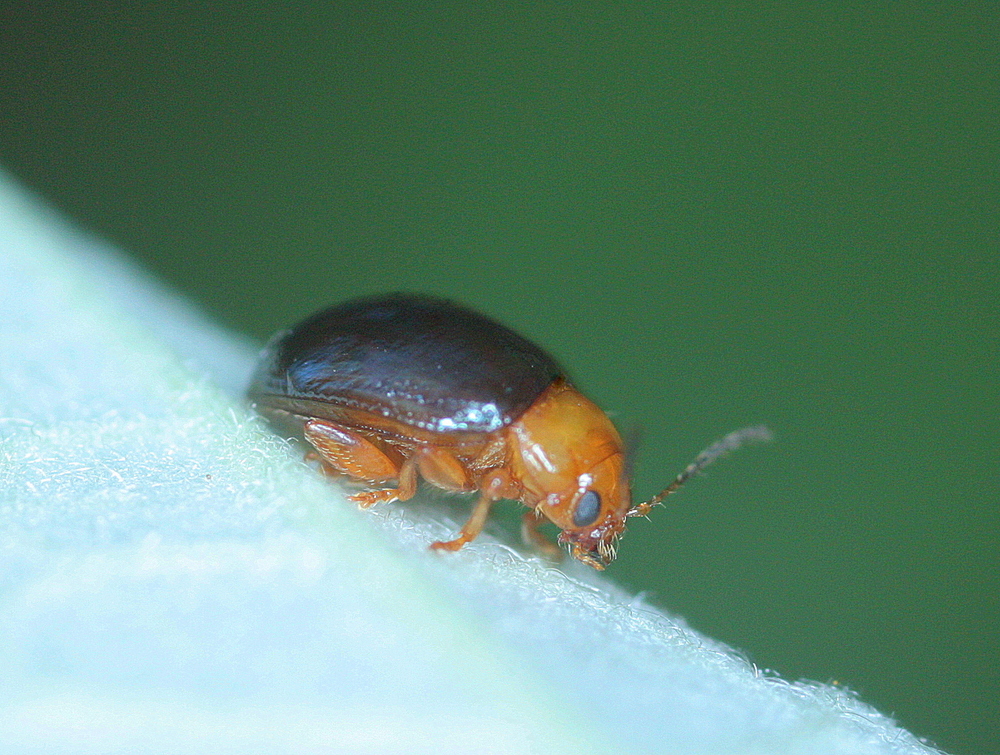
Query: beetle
[[396, 387]]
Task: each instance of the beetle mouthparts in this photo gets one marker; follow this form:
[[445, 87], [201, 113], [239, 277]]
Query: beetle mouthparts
[[593, 558], [598, 553]]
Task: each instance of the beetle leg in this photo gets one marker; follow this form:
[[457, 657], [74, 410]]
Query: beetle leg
[[352, 454], [533, 537], [494, 485], [348, 452], [471, 529], [440, 467], [403, 492]]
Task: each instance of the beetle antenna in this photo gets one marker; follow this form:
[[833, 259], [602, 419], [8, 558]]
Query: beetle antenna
[[735, 439]]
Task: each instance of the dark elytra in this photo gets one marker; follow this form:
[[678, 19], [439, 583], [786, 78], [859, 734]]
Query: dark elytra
[[423, 361]]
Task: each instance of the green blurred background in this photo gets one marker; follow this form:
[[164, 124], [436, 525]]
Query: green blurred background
[[712, 214]]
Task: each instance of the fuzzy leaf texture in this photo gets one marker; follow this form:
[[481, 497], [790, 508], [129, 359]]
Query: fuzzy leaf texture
[[173, 577]]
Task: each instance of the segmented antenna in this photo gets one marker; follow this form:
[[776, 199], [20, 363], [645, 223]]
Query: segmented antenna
[[735, 439]]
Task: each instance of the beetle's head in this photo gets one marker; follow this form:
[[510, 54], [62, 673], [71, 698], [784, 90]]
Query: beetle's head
[[571, 462], [592, 516]]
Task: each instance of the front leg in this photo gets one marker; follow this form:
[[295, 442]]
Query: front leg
[[533, 537]]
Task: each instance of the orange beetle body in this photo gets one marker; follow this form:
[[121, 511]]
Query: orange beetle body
[[392, 388]]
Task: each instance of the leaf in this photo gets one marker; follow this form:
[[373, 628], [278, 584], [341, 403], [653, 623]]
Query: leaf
[[174, 578]]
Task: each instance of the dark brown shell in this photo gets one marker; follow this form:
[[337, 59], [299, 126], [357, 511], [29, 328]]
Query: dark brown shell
[[421, 361]]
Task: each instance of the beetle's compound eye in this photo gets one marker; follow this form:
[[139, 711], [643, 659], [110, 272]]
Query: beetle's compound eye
[[587, 509]]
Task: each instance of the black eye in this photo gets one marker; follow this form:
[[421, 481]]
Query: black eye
[[587, 509]]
